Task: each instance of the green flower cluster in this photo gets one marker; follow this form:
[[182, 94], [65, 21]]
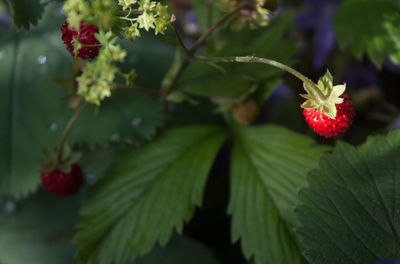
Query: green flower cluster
[[96, 81], [102, 13], [144, 14]]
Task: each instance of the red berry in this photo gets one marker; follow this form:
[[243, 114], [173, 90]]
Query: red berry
[[85, 36], [63, 184], [328, 127]]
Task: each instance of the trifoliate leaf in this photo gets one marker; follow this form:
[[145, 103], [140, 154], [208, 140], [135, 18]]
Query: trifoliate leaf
[[269, 164], [349, 212], [148, 194], [26, 12], [361, 27]]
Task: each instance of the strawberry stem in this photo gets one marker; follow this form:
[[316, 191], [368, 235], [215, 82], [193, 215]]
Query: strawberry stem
[[253, 59], [66, 131]]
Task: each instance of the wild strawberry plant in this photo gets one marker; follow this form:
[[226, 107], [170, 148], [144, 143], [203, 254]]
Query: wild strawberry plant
[[131, 128]]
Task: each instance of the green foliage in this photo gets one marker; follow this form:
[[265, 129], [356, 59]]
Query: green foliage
[[39, 231], [350, 211], [204, 80], [364, 26], [148, 193], [34, 116], [206, 13], [26, 12], [29, 107], [269, 164], [127, 117], [179, 250]]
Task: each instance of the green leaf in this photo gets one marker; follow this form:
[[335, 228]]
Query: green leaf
[[206, 13], [361, 26], [125, 117], [34, 116], [39, 231], [147, 195], [179, 250], [269, 164], [268, 42], [393, 30], [349, 214], [30, 105], [26, 12]]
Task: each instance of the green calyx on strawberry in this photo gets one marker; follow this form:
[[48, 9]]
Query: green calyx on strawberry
[[60, 162], [323, 96]]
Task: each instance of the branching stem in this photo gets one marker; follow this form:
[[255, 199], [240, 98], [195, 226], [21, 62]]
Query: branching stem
[[190, 52]]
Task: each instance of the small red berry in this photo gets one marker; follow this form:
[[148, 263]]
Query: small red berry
[[328, 127], [63, 184], [85, 36]]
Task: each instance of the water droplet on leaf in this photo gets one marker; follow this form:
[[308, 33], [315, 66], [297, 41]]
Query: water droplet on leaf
[[114, 137], [136, 121], [9, 206], [91, 178], [53, 126], [42, 59]]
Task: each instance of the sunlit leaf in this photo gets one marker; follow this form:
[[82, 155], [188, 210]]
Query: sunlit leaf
[[269, 164]]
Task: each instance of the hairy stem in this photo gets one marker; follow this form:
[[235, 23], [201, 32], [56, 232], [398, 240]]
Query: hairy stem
[[276, 64]]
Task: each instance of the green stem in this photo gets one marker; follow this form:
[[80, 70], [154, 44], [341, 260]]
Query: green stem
[[180, 41], [138, 90], [215, 26], [128, 19], [66, 131], [189, 53], [252, 59]]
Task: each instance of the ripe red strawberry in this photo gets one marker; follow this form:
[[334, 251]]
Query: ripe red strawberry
[[63, 184], [85, 36], [328, 127]]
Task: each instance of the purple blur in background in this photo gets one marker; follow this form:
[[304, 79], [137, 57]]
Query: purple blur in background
[[388, 262], [5, 18], [361, 76], [319, 18]]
